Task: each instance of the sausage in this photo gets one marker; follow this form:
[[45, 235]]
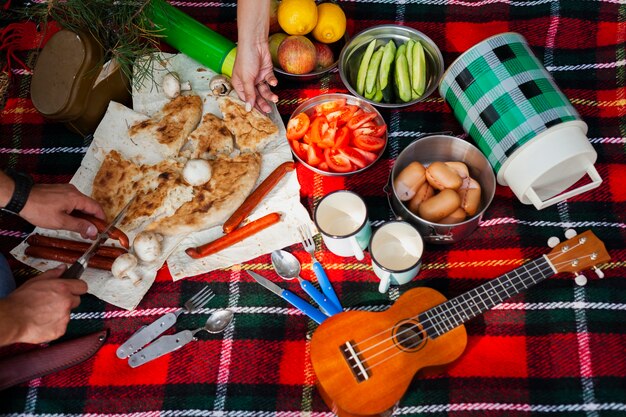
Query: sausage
[[470, 197], [74, 245], [235, 236], [440, 206], [409, 180], [101, 225], [68, 256], [423, 193], [457, 216], [257, 195], [441, 177]]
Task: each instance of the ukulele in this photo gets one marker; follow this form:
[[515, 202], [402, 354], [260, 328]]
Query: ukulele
[[365, 361]]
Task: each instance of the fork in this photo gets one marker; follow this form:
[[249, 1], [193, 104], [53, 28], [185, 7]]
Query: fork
[[309, 245], [148, 333]]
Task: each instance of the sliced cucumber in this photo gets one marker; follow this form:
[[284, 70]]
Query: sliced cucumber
[[365, 61], [372, 71], [418, 79], [401, 73], [385, 64]]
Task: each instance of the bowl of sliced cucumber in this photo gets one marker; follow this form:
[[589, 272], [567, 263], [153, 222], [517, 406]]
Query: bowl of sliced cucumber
[[391, 65]]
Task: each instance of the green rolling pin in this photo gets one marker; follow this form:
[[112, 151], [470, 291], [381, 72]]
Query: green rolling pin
[[192, 38]]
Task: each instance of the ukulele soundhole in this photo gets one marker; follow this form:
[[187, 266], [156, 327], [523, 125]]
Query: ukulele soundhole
[[409, 336]]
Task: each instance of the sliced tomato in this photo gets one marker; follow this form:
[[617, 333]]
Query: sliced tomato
[[330, 106], [367, 155], [314, 155], [307, 138], [347, 112], [328, 138], [369, 124], [318, 128], [298, 149], [377, 131], [355, 157], [357, 121], [369, 143], [342, 138], [336, 161], [334, 116], [323, 166], [297, 126]]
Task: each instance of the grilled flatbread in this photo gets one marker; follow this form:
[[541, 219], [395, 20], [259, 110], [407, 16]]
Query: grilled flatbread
[[209, 139], [213, 202], [168, 129], [252, 130]]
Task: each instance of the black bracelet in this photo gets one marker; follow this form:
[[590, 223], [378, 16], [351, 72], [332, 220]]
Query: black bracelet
[[23, 185]]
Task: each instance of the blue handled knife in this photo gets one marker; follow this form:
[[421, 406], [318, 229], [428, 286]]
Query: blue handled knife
[[290, 297]]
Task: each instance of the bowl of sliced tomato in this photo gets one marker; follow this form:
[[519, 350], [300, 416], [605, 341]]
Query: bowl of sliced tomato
[[337, 134]]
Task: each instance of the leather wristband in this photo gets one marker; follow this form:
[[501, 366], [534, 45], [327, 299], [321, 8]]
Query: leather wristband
[[23, 185]]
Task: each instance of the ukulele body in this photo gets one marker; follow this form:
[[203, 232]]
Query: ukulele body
[[365, 361]]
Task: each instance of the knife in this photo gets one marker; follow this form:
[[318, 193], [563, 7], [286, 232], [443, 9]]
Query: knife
[[78, 267], [290, 297]]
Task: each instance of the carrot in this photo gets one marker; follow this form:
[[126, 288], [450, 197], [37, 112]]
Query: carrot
[[101, 225], [235, 236], [74, 245], [257, 195]]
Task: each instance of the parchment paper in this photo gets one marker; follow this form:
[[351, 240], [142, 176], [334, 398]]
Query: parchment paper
[[112, 133]]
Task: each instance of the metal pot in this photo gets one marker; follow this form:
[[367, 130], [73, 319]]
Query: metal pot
[[443, 148]]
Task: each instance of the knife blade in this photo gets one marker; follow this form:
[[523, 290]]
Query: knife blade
[[290, 297], [76, 270]]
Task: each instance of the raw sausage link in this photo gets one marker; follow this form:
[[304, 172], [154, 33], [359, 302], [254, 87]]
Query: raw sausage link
[[55, 242], [67, 256], [257, 195], [101, 225]]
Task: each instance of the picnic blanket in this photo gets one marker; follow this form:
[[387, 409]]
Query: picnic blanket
[[556, 349]]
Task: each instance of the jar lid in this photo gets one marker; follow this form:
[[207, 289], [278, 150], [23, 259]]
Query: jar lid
[[64, 74]]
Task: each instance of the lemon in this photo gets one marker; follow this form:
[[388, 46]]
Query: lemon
[[331, 23], [297, 17]]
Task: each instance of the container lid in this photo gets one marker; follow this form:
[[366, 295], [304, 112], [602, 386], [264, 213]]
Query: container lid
[[541, 171], [64, 74]]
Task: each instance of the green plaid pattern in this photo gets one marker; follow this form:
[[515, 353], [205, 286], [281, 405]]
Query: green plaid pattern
[[503, 96]]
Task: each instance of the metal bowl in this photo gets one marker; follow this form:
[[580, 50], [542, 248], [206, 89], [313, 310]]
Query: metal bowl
[[308, 106], [351, 54], [443, 148]]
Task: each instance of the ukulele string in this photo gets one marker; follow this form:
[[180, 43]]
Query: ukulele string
[[426, 329]]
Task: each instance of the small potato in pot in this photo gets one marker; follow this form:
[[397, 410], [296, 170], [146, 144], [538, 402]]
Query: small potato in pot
[[423, 193], [440, 206], [470, 197], [442, 177], [457, 216], [409, 180]]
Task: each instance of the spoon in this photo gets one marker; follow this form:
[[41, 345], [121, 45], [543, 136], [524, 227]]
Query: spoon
[[216, 323], [288, 267]]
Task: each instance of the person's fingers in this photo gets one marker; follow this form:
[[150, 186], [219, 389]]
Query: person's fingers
[[261, 105], [90, 206], [238, 86], [75, 301], [251, 97], [51, 273], [77, 286], [271, 79], [266, 93], [86, 229]]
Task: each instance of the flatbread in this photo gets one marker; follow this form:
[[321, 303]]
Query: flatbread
[[210, 138], [252, 130], [168, 130], [158, 189], [213, 202]]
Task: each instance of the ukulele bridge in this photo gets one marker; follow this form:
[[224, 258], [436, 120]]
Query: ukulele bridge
[[357, 366]]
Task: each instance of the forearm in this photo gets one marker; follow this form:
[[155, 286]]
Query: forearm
[[9, 333], [7, 185], [252, 21]]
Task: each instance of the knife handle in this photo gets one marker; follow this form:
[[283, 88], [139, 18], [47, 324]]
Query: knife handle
[[162, 346], [146, 335], [74, 272], [303, 306], [325, 284], [319, 298]]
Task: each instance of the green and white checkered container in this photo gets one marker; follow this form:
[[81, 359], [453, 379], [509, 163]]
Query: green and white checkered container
[[530, 133]]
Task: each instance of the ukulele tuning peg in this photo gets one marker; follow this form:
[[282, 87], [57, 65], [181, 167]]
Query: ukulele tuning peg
[[553, 241], [580, 279], [570, 233], [598, 272]]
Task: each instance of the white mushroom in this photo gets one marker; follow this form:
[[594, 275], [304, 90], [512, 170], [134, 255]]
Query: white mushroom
[[147, 246], [172, 85], [220, 85], [124, 267], [197, 172]]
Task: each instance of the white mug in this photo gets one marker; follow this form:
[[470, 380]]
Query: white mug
[[396, 249], [341, 218]]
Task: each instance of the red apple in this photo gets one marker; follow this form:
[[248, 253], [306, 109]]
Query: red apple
[[324, 55], [274, 41], [274, 26], [296, 55]]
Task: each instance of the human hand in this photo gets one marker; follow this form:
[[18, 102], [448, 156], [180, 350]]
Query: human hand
[[253, 74], [49, 205], [39, 310]]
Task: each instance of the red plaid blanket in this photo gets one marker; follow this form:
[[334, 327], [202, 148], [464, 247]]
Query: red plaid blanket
[[557, 349]]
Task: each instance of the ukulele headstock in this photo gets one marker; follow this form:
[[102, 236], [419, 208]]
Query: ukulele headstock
[[578, 253]]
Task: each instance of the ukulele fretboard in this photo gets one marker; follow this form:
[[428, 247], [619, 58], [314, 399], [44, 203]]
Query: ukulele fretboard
[[456, 311]]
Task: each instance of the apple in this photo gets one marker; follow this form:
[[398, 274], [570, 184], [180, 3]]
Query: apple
[[274, 26], [296, 55], [274, 41], [324, 55]]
